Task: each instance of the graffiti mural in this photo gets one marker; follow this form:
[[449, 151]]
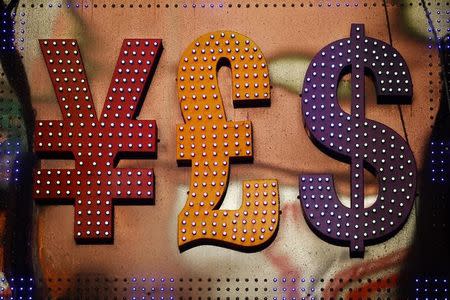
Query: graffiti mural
[[147, 256]]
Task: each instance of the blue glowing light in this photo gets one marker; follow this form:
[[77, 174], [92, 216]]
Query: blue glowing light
[[440, 162]]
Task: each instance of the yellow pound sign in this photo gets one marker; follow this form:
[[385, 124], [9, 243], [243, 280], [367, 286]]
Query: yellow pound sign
[[208, 142]]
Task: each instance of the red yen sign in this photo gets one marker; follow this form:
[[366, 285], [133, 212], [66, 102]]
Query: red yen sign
[[96, 144]]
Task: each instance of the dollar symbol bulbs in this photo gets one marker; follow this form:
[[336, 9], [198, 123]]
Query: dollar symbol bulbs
[[359, 141]]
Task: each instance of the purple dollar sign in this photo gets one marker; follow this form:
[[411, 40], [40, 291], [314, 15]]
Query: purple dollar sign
[[359, 141]]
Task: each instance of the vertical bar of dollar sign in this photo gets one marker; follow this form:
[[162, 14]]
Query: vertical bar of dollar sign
[[361, 142], [209, 143]]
